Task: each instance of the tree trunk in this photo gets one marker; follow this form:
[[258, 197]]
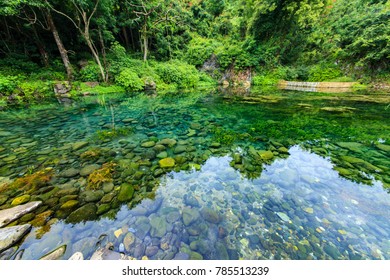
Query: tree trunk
[[127, 44], [41, 47], [94, 52], [60, 45], [145, 38], [102, 45]]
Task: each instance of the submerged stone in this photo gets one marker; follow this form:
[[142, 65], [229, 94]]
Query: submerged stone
[[69, 204], [158, 227], [190, 215], [69, 173], [167, 163], [180, 149], [210, 215], [148, 144], [283, 216], [21, 200], [266, 155], [56, 254], [92, 196], [167, 142], [79, 145], [126, 192], [88, 169], [84, 213], [352, 146]]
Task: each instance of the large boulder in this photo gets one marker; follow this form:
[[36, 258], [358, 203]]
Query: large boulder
[[11, 214], [10, 235]]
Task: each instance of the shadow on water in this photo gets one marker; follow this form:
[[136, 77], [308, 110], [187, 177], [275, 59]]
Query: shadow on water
[[200, 176]]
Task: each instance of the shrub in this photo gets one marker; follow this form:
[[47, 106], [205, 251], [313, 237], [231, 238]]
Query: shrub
[[90, 72], [129, 80], [34, 89], [200, 50], [324, 72], [181, 74], [7, 84]]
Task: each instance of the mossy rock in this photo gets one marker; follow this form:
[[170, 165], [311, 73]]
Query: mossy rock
[[148, 144], [69, 204], [167, 163], [79, 145], [84, 213], [21, 200], [266, 155], [126, 192], [103, 208], [352, 160], [195, 256]]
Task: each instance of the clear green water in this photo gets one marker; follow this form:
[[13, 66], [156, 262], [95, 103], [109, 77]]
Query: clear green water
[[282, 176]]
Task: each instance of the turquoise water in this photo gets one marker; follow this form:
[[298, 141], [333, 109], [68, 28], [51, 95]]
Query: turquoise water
[[281, 176]]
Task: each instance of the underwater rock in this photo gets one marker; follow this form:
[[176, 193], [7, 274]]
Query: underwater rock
[[69, 204], [88, 169], [7, 254], [79, 145], [69, 173], [107, 254], [11, 214], [266, 155], [20, 200], [237, 158], [159, 148], [191, 200], [91, 196], [150, 251], [128, 241], [10, 235], [195, 256], [126, 192], [78, 256], [103, 208], [283, 150], [158, 226], [352, 146], [210, 215], [84, 213], [3, 199], [167, 163], [108, 197], [332, 251], [352, 160], [190, 215], [162, 155], [108, 187], [148, 144], [56, 254], [142, 227], [180, 149], [167, 142], [283, 216]]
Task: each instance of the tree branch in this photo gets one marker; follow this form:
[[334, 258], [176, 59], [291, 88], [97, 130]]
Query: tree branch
[[63, 14]]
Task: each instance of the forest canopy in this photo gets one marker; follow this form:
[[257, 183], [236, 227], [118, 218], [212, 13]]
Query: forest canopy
[[115, 40]]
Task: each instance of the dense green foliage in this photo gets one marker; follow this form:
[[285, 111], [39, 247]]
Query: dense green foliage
[[134, 42]]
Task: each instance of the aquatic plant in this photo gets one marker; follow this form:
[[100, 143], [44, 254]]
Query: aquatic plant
[[228, 137], [109, 134], [91, 154], [30, 182], [100, 176]]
